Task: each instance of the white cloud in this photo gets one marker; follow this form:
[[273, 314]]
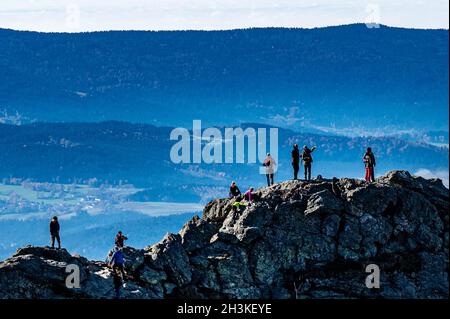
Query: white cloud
[[442, 174], [58, 15]]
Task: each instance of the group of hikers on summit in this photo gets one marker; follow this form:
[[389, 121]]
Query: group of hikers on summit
[[116, 258], [306, 157], [270, 164]]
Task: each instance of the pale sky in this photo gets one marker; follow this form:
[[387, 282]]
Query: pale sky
[[96, 15]]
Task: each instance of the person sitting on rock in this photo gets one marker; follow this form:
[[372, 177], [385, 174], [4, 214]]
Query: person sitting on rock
[[234, 190], [248, 195], [54, 232], [120, 238], [118, 261]]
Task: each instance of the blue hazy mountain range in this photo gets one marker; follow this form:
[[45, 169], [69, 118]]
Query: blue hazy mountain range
[[349, 79], [120, 152]]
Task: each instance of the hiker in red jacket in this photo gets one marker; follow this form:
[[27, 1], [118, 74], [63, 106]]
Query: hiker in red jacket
[[120, 238], [369, 162]]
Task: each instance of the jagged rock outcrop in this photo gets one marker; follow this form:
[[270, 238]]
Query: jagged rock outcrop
[[297, 240]]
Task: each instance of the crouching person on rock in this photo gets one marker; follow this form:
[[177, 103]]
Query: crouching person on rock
[[234, 190], [237, 206], [248, 195]]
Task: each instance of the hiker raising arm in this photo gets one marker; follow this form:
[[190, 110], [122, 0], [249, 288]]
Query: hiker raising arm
[[307, 161]]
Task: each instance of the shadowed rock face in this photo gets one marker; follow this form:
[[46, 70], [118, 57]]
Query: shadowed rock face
[[297, 240]]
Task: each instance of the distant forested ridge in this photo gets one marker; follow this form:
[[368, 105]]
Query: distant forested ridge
[[348, 76]]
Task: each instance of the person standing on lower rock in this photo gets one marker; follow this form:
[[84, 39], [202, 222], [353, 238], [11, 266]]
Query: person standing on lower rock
[[54, 232], [118, 261], [269, 164], [295, 161], [369, 162], [307, 161]]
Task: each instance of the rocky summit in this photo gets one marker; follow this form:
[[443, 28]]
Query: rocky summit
[[318, 239]]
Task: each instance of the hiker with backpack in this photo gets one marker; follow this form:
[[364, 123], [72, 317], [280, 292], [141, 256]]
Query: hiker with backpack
[[307, 161], [117, 261], [54, 232], [234, 190], [270, 165], [296, 161], [119, 240], [369, 163]]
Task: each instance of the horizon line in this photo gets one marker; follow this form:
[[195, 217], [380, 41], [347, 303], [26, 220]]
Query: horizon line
[[233, 29]]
